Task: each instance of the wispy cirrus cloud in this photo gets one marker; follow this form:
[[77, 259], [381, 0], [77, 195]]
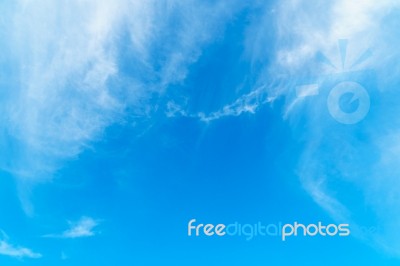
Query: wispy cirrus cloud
[[248, 103], [74, 71], [350, 171], [19, 252], [85, 227], [7, 249], [345, 169], [70, 69]]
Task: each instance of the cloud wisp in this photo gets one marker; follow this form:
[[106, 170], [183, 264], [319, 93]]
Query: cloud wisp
[[248, 103], [73, 72], [7, 249], [85, 227], [342, 167], [73, 68]]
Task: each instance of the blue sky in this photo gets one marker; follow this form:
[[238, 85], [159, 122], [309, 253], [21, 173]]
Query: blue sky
[[122, 121]]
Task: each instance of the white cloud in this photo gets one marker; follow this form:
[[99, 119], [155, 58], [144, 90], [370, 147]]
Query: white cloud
[[58, 99], [85, 227], [17, 252], [73, 68], [68, 80], [10, 250], [247, 103], [351, 172]]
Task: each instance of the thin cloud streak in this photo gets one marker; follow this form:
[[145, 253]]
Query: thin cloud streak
[[7, 249], [68, 79], [76, 67], [334, 163], [85, 227]]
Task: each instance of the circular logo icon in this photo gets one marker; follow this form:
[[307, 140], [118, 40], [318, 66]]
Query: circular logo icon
[[359, 94]]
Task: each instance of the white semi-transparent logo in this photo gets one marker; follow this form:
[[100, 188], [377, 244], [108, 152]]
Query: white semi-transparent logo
[[358, 95], [348, 100], [249, 231]]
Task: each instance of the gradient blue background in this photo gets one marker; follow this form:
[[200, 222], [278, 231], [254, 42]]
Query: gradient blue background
[[145, 171]]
